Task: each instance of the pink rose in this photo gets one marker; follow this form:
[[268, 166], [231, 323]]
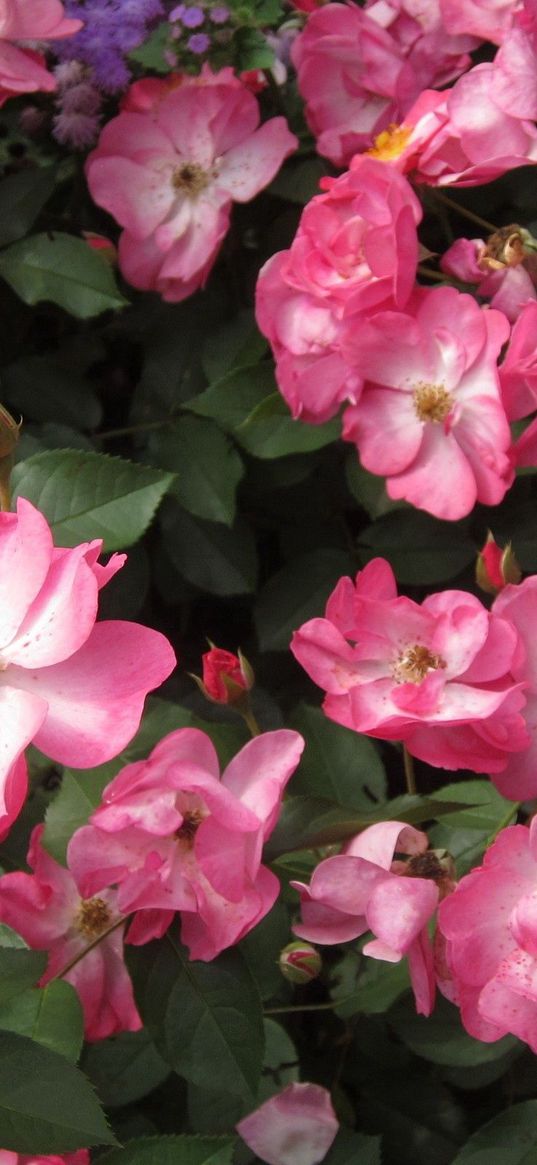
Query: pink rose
[[22, 70], [517, 604], [486, 19], [430, 417], [73, 686], [47, 910], [174, 835], [81, 1157], [438, 676], [171, 165]]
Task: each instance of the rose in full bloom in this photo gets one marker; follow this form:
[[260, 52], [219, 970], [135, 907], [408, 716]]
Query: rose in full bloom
[[22, 70], [518, 605], [295, 1127], [73, 686], [430, 417], [438, 676], [47, 909], [356, 249], [488, 940], [174, 835], [363, 889], [487, 19], [170, 172]]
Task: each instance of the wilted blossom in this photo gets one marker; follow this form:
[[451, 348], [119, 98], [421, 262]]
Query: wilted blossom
[[170, 172], [174, 835], [23, 70], [436, 675], [502, 268], [487, 944], [47, 910], [81, 1157], [73, 686], [356, 249], [294, 1127], [430, 417], [363, 889]]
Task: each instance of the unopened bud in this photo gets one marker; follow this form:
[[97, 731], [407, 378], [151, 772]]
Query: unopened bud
[[226, 677], [495, 567], [299, 962], [104, 246]]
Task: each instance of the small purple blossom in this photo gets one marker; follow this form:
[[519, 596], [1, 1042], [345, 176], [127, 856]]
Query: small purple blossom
[[219, 15], [111, 29], [177, 13], [199, 43], [193, 17]]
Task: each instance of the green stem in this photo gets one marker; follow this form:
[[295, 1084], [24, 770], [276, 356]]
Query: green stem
[[146, 427], [464, 212], [308, 1007], [410, 777], [249, 720], [94, 943]]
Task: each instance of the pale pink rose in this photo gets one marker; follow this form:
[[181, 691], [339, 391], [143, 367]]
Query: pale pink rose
[[73, 686], [356, 248], [430, 417], [518, 371], [488, 962], [169, 169], [363, 889], [508, 286], [22, 70], [486, 19], [360, 71], [174, 835], [295, 1127], [47, 910], [81, 1157], [437, 676], [517, 604]]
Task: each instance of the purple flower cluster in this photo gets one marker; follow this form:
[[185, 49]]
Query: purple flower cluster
[[190, 16], [112, 28]]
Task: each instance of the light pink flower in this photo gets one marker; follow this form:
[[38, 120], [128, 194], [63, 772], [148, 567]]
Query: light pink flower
[[22, 70], [357, 78], [295, 1127], [73, 686], [437, 676], [488, 963], [518, 376], [81, 1157], [363, 889], [356, 248], [170, 172], [430, 418], [517, 604], [175, 836], [47, 910], [486, 19], [507, 283]]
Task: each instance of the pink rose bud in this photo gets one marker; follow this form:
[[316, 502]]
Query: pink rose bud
[[299, 962], [104, 246], [496, 567], [226, 677]]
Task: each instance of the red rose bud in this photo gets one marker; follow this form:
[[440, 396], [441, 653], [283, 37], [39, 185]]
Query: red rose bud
[[299, 962], [496, 567], [226, 677], [104, 246]]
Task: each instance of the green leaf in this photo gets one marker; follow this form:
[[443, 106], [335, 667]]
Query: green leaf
[[10, 938], [298, 180], [124, 1068], [45, 389], [253, 50], [46, 1104], [79, 795], [441, 1038], [368, 489], [22, 196], [150, 54], [207, 466], [270, 431], [205, 1018], [90, 495], [238, 344], [365, 986], [509, 1139], [19, 969], [421, 549], [172, 1150], [468, 832], [51, 1015], [261, 948], [338, 764], [61, 269], [354, 1149], [296, 593], [233, 398], [213, 557]]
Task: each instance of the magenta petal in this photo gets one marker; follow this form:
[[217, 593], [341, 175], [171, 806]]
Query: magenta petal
[[257, 776], [295, 1127]]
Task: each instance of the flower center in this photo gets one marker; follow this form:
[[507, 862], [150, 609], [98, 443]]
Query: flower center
[[432, 402], [192, 819], [190, 179], [93, 917], [390, 143], [415, 663]]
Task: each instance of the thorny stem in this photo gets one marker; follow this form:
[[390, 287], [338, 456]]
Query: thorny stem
[[94, 943], [410, 777], [464, 212]]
